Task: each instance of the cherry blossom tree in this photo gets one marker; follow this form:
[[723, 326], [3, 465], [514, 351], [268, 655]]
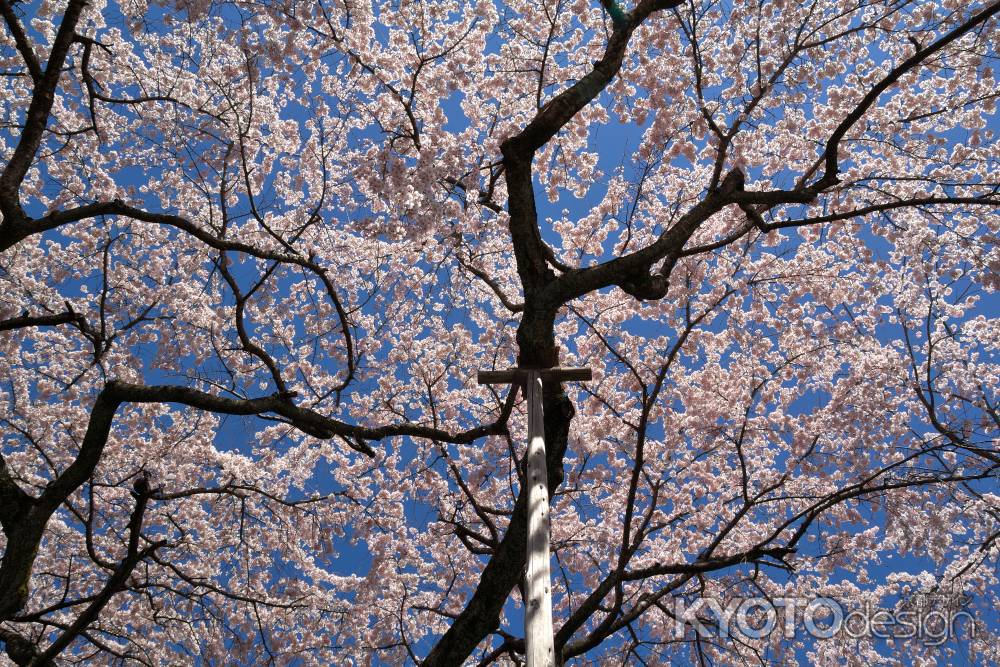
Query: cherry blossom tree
[[253, 253]]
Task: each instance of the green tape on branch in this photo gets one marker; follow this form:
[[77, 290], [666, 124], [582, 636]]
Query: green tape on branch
[[617, 15]]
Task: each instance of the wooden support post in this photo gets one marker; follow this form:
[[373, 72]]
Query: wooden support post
[[540, 649], [537, 584]]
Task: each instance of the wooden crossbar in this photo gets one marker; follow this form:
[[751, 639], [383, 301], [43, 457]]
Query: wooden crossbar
[[519, 375]]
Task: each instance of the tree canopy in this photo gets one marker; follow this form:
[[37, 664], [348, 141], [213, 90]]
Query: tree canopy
[[252, 255]]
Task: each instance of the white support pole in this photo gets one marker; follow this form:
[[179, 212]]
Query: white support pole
[[539, 649], [537, 585]]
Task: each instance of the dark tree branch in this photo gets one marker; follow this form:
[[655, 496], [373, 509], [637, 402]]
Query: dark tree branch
[[25, 518], [831, 168], [35, 123], [57, 219], [116, 583], [21, 651], [21, 40]]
